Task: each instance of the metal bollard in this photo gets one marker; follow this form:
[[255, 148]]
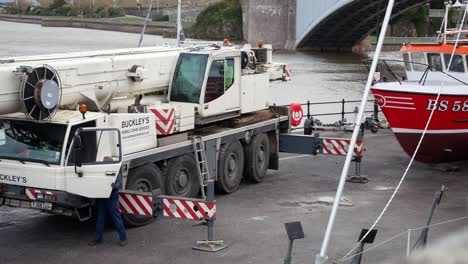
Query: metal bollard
[[308, 126], [342, 111]]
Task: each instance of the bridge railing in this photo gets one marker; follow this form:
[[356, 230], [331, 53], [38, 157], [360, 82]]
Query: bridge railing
[[401, 40]]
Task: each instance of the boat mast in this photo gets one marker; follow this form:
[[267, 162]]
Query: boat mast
[[179, 23], [446, 22], [322, 257], [147, 18]]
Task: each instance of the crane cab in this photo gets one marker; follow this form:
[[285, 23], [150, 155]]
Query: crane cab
[[213, 81]]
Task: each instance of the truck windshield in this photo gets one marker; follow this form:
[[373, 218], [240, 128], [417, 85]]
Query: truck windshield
[[22, 140], [188, 78]]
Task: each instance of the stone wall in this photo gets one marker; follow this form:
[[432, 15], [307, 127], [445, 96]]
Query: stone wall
[[166, 29], [273, 21], [190, 10]]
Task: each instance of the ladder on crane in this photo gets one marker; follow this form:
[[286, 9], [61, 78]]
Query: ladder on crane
[[202, 164]]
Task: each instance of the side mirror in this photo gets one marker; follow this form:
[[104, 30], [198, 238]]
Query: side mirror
[[77, 147]]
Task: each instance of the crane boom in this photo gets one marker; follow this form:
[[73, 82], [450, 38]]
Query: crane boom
[[40, 85]]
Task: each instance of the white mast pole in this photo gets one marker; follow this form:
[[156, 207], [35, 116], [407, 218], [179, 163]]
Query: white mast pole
[[322, 257], [179, 24], [147, 18], [446, 23]]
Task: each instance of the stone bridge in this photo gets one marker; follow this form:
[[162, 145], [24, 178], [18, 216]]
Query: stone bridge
[[316, 24]]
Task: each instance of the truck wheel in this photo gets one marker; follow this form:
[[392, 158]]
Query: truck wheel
[[230, 167], [182, 176], [145, 178], [257, 158]]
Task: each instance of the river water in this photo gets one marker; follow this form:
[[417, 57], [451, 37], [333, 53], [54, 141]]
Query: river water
[[316, 77], [325, 77]]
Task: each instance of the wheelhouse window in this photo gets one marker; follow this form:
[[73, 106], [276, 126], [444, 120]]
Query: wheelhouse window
[[419, 62], [188, 78], [23, 140], [457, 64], [435, 62], [407, 60]]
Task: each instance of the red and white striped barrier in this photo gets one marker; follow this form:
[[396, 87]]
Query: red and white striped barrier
[[165, 120], [31, 193], [340, 147], [193, 210], [136, 204]]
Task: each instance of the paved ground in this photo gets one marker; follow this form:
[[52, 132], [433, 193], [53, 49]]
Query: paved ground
[[251, 220]]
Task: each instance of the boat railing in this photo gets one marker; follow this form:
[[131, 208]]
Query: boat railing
[[451, 35], [386, 73]]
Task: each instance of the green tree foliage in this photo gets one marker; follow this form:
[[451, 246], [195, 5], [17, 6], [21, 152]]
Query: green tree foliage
[[419, 20], [115, 12], [220, 20], [61, 8]]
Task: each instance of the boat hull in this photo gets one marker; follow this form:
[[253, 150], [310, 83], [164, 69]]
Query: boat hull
[[407, 112], [435, 148]]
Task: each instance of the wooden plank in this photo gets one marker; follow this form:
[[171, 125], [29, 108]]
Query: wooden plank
[[251, 118]]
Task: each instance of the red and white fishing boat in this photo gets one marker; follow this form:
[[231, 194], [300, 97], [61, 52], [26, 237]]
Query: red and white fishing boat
[[407, 104]]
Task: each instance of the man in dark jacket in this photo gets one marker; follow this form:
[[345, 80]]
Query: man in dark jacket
[[110, 208]]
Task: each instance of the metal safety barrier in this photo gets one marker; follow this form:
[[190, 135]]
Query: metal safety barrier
[[157, 205]]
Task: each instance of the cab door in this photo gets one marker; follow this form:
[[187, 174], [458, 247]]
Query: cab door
[[222, 92], [93, 162]]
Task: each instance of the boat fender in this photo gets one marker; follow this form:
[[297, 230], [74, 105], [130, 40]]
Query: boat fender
[[296, 114]]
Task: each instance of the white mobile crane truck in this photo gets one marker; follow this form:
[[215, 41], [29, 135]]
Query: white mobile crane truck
[[71, 122], [173, 119]]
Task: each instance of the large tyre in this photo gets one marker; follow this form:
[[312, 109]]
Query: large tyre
[[230, 167], [257, 158], [145, 178], [182, 176]]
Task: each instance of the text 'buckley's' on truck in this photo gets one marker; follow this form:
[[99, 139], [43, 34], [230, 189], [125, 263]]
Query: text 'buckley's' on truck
[[71, 122]]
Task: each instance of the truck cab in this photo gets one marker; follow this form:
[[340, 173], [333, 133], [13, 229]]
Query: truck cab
[[75, 154]]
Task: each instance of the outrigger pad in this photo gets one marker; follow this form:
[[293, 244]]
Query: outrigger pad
[[357, 179], [210, 246]]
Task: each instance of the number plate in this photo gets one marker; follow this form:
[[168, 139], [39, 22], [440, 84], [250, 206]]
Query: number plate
[[42, 206]]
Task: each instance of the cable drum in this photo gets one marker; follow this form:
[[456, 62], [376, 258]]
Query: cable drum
[[40, 92]]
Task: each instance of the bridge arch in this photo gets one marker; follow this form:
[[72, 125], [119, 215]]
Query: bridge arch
[[341, 24]]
